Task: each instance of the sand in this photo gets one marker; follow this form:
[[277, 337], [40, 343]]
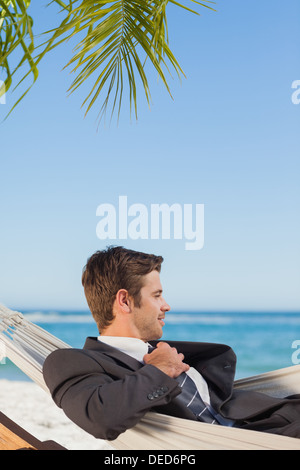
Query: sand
[[33, 409]]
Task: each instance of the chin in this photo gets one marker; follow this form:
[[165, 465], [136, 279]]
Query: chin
[[155, 336]]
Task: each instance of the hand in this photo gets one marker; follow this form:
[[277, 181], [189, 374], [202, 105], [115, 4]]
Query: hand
[[167, 359]]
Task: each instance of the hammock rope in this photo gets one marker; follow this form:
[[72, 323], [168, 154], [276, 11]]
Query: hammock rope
[[27, 346]]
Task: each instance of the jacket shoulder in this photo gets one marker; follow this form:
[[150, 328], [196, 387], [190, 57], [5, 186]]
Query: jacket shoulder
[[64, 364]]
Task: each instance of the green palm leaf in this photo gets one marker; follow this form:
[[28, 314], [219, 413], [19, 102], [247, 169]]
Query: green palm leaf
[[118, 39], [15, 25], [16, 36]]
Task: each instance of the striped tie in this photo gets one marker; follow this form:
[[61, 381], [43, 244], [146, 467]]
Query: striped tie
[[191, 398]]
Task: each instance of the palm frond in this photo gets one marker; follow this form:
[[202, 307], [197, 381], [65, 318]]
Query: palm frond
[[15, 26], [16, 36], [118, 39]]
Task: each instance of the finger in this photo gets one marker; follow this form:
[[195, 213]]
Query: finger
[[162, 344]]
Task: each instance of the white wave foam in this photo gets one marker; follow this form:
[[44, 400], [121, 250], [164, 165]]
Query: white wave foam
[[171, 318], [55, 317], [41, 317], [198, 319]]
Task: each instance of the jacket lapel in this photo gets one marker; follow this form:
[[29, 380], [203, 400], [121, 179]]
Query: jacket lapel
[[215, 362], [111, 353]]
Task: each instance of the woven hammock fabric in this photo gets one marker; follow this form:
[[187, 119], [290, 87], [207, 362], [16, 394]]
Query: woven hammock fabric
[[28, 345]]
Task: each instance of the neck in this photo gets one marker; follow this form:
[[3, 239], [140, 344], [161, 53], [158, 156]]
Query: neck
[[124, 331]]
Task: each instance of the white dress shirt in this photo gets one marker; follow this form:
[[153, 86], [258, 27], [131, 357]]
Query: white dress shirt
[[137, 349]]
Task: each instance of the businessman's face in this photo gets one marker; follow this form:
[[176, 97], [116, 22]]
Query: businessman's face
[[148, 318]]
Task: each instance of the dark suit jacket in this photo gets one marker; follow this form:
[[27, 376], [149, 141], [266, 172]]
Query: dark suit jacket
[[106, 392]]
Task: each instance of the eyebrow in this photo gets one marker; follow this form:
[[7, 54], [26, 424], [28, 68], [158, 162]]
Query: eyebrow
[[158, 291]]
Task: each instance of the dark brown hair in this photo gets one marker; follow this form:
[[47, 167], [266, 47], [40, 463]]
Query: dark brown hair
[[110, 270]]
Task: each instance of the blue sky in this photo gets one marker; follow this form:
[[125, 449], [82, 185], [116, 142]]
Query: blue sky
[[229, 140]]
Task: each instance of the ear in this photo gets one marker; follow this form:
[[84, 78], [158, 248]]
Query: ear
[[124, 301]]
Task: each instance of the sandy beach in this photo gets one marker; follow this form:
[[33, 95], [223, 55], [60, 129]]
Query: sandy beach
[[33, 409]]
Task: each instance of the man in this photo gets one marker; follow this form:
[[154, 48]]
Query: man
[[110, 384]]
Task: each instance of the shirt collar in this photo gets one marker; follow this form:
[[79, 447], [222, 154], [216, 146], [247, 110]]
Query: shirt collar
[[134, 347]]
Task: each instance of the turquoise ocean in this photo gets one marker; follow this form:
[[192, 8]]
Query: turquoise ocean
[[262, 341]]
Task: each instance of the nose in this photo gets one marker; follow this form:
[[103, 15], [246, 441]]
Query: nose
[[165, 307]]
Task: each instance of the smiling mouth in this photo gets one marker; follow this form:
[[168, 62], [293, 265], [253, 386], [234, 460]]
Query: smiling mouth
[[161, 320]]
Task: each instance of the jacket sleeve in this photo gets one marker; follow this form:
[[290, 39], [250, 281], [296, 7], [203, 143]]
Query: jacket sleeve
[[98, 402]]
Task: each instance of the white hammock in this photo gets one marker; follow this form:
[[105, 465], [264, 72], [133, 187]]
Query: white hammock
[[28, 345]]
